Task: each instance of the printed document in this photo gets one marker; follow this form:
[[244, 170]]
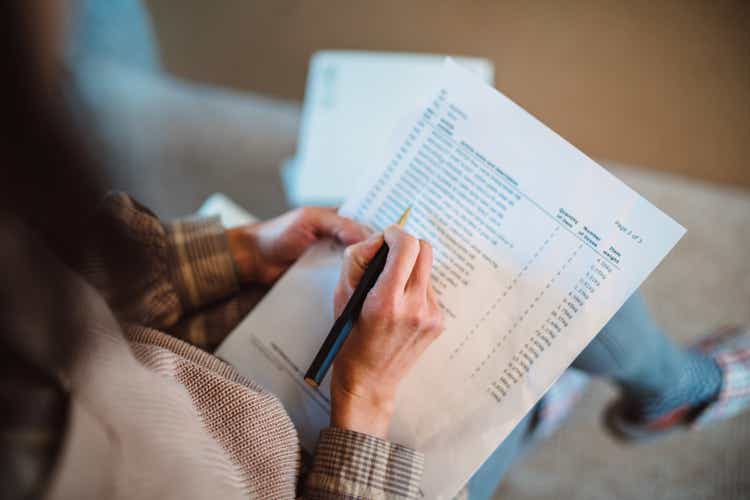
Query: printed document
[[535, 247], [353, 99]]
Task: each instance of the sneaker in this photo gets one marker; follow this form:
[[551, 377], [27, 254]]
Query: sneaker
[[730, 348]]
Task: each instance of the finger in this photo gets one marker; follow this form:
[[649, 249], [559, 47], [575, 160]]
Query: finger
[[434, 305], [358, 256], [432, 297], [329, 224], [403, 250], [419, 281]]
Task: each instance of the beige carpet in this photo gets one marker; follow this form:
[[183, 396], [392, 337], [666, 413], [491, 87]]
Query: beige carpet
[[703, 283]]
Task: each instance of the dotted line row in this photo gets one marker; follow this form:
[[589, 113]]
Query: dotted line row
[[526, 312], [505, 292]]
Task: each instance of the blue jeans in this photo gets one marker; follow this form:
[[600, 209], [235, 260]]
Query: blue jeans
[[630, 349]]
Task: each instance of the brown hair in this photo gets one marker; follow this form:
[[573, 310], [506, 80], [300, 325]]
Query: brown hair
[[48, 185]]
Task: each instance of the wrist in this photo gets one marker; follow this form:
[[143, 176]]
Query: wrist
[[369, 414], [244, 253]]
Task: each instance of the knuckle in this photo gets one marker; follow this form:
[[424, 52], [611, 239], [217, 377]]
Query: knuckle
[[432, 333], [439, 328], [439, 314], [414, 320], [420, 317], [437, 323]]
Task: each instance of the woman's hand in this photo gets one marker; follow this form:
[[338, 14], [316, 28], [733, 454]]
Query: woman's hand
[[263, 251], [399, 319]]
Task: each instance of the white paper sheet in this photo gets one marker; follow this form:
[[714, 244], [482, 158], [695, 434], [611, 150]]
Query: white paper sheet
[[229, 212], [536, 247], [352, 101]]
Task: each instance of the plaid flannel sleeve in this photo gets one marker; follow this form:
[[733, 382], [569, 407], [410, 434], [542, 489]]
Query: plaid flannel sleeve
[[152, 272], [350, 465], [200, 263]]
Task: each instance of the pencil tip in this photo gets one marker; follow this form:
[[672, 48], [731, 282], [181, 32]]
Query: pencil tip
[[404, 216]]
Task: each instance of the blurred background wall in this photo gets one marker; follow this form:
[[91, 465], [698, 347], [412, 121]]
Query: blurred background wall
[[664, 84]]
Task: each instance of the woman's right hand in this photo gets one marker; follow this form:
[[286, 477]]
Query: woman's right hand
[[400, 318]]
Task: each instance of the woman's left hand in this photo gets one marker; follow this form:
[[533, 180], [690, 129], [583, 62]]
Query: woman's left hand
[[263, 251]]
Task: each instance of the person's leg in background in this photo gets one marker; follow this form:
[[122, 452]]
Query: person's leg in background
[[540, 422], [654, 373]]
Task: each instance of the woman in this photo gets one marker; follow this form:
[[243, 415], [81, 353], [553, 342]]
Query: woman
[[99, 401], [120, 408]]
